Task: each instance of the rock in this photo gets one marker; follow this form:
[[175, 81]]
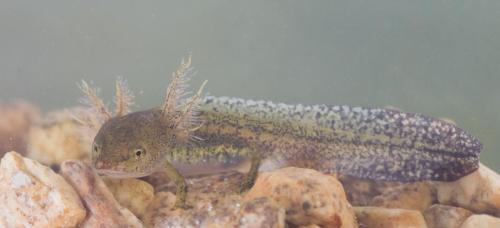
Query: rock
[[360, 192], [481, 221], [160, 209], [389, 194], [260, 212], [32, 195], [102, 208], [414, 196], [478, 192], [59, 137], [308, 196], [209, 191], [216, 203], [438, 216], [131, 193], [309, 226], [210, 196], [378, 217], [15, 121]]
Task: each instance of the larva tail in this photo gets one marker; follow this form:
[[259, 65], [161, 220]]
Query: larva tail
[[391, 145]]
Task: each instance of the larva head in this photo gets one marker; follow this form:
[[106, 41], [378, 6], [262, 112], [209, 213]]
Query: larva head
[[133, 145]]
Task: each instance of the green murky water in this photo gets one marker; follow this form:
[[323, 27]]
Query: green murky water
[[435, 57]]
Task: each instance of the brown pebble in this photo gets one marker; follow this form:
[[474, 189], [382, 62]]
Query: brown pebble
[[102, 208]]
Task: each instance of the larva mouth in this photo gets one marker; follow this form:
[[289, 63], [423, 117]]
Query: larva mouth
[[121, 174], [115, 170]]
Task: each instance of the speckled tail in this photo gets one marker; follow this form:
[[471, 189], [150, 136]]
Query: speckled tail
[[381, 144]]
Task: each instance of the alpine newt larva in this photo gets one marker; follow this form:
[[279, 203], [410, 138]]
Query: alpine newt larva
[[212, 134]]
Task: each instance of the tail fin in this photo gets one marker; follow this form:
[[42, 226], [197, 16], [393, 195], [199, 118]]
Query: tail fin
[[391, 145]]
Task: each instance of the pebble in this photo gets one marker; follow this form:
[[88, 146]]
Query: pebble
[[438, 216], [32, 195], [379, 217], [103, 209], [308, 196], [478, 192]]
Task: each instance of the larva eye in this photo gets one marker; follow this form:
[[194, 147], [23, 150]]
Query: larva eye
[[139, 152]]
